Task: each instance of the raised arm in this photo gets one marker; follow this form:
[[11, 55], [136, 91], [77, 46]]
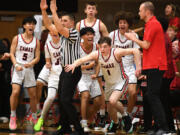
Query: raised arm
[[47, 21], [57, 21]]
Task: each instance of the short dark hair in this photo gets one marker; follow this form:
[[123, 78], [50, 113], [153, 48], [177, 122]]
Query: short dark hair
[[105, 40], [71, 16], [122, 15], [149, 6], [29, 19], [92, 3], [85, 30]]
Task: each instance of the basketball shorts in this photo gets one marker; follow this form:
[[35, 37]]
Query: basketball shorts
[[53, 80], [88, 84], [26, 77], [120, 86], [130, 72], [44, 75]]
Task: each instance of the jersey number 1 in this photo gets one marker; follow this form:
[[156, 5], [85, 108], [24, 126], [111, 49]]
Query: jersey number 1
[[109, 73]]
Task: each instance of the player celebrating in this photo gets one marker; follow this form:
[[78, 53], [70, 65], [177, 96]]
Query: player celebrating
[[124, 20], [88, 87], [25, 53], [100, 30], [116, 81], [52, 54]]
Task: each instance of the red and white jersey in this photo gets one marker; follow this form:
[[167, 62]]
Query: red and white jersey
[[112, 69], [120, 41], [84, 53], [95, 26], [52, 51], [25, 52]]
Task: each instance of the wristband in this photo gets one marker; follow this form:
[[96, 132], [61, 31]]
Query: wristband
[[16, 65]]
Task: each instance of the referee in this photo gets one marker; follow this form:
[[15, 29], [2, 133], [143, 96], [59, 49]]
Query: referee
[[70, 46]]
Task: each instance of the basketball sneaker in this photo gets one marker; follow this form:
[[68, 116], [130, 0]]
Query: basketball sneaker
[[128, 127], [39, 124], [12, 123], [112, 128], [85, 127]]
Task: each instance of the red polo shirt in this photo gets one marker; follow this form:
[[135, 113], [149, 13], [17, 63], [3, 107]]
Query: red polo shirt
[[155, 56]]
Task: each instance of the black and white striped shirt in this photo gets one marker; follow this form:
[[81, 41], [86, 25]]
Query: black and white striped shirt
[[70, 47]]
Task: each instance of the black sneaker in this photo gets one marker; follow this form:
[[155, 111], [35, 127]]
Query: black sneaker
[[102, 121], [63, 130], [128, 127], [112, 128]]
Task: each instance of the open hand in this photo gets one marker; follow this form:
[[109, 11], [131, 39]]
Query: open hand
[[43, 5], [53, 6], [70, 68]]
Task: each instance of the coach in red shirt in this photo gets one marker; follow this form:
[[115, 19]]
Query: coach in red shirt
[[154, 63]]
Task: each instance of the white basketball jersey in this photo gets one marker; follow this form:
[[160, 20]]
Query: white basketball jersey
[[52, 51], [120, 41], [112, 69], [84, 53], [25, 52], [95, 26]]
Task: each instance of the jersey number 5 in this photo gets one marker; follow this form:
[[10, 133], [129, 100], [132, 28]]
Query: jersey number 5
[[25, 56], [58, 61]]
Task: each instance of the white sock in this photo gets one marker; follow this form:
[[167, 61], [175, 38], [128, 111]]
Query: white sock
[[125, 114], [102, 112], [13, 113], [38, 106], [83, 123]]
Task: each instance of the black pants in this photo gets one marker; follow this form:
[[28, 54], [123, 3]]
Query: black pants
[[154, 81], [147, 113], [175, 98], [165, 98], [67, 88]]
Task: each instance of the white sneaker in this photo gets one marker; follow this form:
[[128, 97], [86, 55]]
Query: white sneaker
[[84, 125], [4, 119], [87, 129]]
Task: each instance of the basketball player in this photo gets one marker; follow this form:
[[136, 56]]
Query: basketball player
[[25, 53], [91, 21], [88, 87], [100, 30], [53, 63], [124, 20], [116, 81]]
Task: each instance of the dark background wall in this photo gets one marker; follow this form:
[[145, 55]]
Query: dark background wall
[[19, 9]]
